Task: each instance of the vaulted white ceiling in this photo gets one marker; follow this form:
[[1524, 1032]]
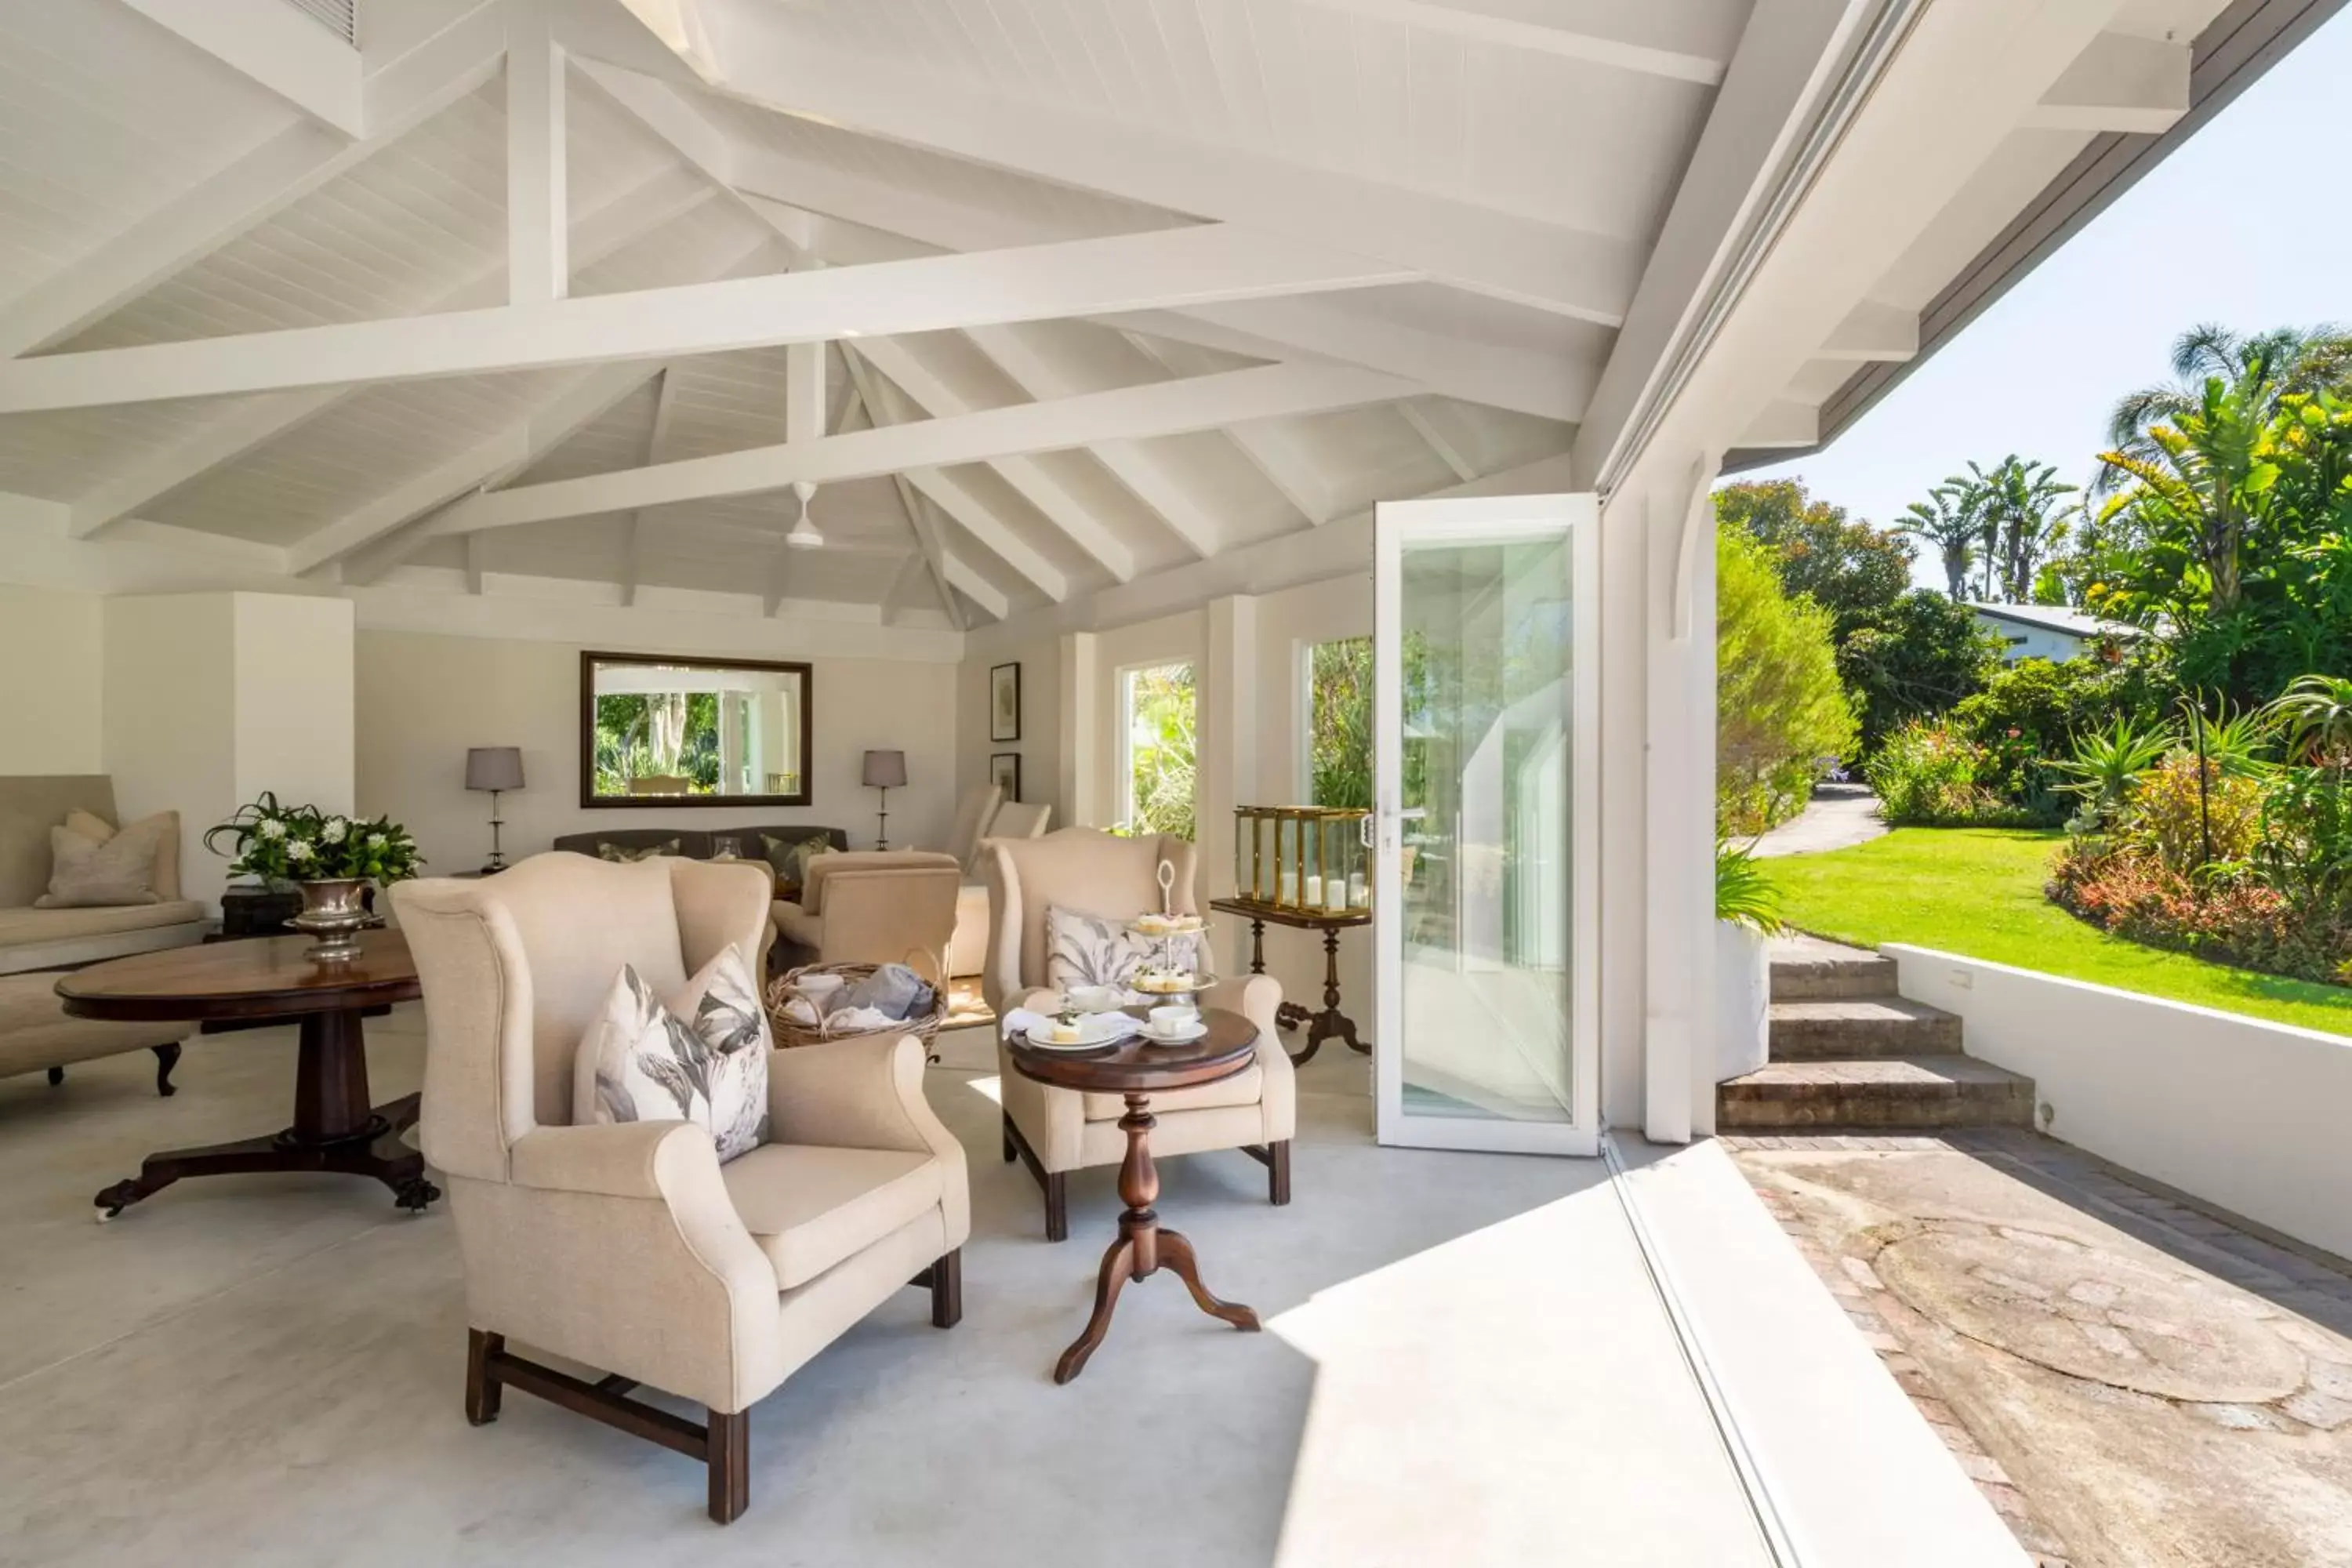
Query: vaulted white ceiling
[[1276, 261]]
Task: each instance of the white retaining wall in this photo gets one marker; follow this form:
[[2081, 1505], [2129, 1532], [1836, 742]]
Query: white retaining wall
[[2253, 1117]]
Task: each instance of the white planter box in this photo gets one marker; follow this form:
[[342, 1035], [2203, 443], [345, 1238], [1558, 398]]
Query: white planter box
[[1743, 991]]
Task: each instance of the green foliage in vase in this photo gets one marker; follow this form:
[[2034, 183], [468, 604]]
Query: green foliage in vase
[[300, 844], [1780, 714]]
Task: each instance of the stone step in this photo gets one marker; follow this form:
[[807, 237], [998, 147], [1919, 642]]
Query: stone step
[[1914, 1092], [1863, 1027], [1808, 969]]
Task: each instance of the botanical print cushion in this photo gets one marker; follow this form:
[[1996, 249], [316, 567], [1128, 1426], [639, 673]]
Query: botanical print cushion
[[701, 1056], [621, 854], [1081, 949], [790, 860], [87, 875]]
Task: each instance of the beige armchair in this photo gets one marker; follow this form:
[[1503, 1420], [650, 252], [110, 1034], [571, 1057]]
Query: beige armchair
[[968, 951], [1057, 1130], [871, 906], [628, 1246]]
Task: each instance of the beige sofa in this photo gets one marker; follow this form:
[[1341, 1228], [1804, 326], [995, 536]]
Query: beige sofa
[[1057, 1130], [629, 1247], [36, 1035], [870, 906], [33, 939]]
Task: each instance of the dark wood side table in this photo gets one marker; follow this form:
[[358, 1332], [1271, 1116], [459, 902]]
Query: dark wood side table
[[268, 978], [1138, 1070], [1330, 1023]]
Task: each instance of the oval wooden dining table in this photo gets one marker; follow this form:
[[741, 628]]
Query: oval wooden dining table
[[335, 1128]]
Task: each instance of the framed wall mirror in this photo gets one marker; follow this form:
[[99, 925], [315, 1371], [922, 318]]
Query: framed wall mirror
[[662, 730]]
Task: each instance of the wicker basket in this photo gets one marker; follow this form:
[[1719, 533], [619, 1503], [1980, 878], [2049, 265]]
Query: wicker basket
[[789, 1032]]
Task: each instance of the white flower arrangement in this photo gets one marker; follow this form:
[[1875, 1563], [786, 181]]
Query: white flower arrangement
[[300, 843], [334, 830]]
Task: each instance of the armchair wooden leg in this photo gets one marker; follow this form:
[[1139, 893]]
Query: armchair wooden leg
[[57, 1076], [482, 1385], [167, 1056], [728, 1453], [1278, 1173], [947, 1288], [1011, 1150], [1057, 1206]]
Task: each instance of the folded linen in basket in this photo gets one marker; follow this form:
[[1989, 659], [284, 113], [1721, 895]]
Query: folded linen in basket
[[1109, 1026]]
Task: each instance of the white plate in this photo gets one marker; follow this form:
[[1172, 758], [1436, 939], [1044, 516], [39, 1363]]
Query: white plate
[[1093, 1042], [1154, 1038]]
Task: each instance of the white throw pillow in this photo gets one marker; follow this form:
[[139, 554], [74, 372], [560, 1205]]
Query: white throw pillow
[[1081, 949], [701, 1056]]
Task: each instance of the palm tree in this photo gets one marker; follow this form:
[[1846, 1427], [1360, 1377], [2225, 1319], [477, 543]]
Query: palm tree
[[1944, 521], [2262, 366], [2015, 506], [2193, 479]]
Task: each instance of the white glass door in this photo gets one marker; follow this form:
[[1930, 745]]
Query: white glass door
[[1486, 717]]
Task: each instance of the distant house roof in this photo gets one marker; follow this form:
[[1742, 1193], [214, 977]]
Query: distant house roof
[[2057, 618]]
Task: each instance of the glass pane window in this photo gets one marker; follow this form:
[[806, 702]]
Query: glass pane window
[[1157, 728], [1339, 724]]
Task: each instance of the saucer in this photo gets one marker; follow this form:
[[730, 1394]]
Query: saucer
[[1185, 1037]]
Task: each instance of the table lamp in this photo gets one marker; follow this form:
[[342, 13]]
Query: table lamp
[[496, 769], [884, 771]]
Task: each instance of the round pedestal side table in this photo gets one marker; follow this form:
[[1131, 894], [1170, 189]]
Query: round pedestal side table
[[271, 980], [1137, 1069]]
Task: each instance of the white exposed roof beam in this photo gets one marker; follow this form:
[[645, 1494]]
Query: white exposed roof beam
[[617, 224], [1875, 331], [538, 270], [251, 189], [1657, 40], [1448, 451], [1154, 482], [1073, 277], [1783, 66], [1569, 272], [1028, 477], [974, 586], [1784, 423], [951, 496], [657, 443], [1273, 453], [488, 463], [477, 554], [1159, 408], [1549, 385], [927, 544], [2119, 83], [275, 46]]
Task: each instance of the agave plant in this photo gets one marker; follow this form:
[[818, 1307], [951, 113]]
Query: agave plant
[[1744, 895], [2237, 744], [2108, 763]]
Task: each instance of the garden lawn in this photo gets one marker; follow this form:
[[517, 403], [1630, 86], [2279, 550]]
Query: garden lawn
[[1977, 891]]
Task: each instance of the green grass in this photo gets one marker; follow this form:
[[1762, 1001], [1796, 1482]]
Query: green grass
[[1977, 891]]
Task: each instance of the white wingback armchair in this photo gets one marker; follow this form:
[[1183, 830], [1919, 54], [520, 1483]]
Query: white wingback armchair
[[629, 1247], [1057, 1130]]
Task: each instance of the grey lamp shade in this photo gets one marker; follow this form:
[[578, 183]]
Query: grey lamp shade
[[494, 767], [885, 770]]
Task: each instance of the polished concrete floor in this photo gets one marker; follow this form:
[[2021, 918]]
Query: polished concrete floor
[[1464, 1363]]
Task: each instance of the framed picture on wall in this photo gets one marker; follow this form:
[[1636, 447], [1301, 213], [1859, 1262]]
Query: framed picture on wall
[[1004, 702], [1004, 768]]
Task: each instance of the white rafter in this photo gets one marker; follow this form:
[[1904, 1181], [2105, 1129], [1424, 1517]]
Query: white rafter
[[1159, 408], [488, 463], [619, 223], [252, 189], [1027, 476], [1875, 332], [657, 435], [1569, 272], [1448, 451], [1154, 482], [1653, 39], [276, 47], [538, 270], [1073, 277], [1272, 452], [2119, 83], [927, 544]]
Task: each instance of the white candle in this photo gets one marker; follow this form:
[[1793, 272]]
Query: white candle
[[1289, 890], [1313, 891], [1336, 899], [1356, 899]]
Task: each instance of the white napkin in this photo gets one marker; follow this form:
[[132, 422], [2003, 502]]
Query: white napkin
[[1021, 1020]]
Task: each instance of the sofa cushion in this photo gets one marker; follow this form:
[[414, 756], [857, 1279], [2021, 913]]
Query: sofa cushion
[[1245, 1088], [699, 1054], [92, 826], [58, 925], [796, 924], [86, 874], [36, 1032], [622, 855], [809, 1208]]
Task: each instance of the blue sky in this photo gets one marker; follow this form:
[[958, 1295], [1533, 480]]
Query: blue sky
[[2238, 226]]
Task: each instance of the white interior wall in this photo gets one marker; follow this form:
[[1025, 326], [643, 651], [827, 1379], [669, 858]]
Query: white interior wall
[[52, 658], [171, 719], [292, 679], [1040, 745], [423, 699]]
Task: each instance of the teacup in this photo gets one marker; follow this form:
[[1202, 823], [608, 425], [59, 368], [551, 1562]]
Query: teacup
[[1094, 998], [1170, 1022]]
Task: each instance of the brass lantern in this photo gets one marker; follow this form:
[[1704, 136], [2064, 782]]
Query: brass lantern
[[1341, 887], [1250, 862]]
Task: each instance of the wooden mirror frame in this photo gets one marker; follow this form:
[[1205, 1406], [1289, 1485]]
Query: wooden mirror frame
[[591, 801]]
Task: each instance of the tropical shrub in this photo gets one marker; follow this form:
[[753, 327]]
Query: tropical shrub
[[2028, 716], [1744, 895], [2106, 768], [2227, 920], [1928, 775], [1779, 709], [1851, 570], [2188, 827], [1922, 655]]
